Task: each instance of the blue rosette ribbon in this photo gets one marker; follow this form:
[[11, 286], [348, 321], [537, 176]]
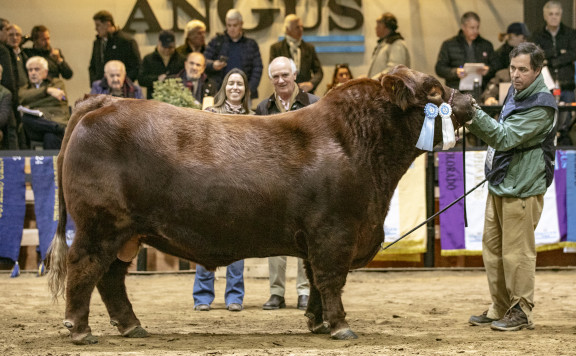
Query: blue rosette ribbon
[[426, 139], [448, 138]]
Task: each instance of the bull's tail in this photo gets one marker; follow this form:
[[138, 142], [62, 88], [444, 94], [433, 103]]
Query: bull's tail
[[58, 250]]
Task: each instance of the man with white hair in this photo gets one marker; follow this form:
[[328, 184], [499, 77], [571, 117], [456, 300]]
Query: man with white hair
[[559, 44], [287, 96], [18, 57], [48, 97], [310, 72], [194, 37], [116, 83], [234, 50]]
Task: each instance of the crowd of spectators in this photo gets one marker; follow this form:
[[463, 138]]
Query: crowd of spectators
[[116, 67]]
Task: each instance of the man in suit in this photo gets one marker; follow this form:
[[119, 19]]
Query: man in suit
[[304, 54]]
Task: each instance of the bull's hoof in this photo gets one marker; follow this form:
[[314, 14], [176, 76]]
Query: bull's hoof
[[84, 339], [322, 328], [344, 334], [136, 332]]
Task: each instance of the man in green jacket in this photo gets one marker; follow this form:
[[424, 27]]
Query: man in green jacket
[[44, 104], [519, 168]]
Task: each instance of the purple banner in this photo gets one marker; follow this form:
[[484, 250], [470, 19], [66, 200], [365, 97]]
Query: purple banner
[[451, 184]]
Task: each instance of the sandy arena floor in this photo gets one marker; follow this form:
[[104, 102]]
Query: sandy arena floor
[[398, 313]]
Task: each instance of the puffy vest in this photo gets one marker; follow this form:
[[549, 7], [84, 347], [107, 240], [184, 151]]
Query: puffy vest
[[502, 159]]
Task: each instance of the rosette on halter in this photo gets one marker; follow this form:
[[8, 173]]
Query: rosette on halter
[[426, 140], [448, 138]]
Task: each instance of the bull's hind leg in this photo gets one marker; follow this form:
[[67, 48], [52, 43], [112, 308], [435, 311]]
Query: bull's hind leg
[[87, 262], [330, 278], [314, 311], [112, 290]]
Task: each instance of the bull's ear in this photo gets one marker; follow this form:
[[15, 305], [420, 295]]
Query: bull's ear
[[398, 91]]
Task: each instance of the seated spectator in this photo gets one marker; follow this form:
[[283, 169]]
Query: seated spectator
[[194, 78], [516, 33], [116, 83], [342, 74], [57, 65], [194, 37], [164, 61], [8, 138], [48, 96]]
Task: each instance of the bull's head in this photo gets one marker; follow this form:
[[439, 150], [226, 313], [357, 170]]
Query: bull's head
[[407, 88]]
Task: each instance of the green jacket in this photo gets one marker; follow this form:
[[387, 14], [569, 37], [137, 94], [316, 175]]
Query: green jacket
[[37, 98], [526, 175]]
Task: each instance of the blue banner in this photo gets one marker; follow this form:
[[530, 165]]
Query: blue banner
[[12, 206], [45, 199]]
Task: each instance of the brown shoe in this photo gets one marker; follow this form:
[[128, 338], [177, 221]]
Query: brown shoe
[[481, 319], [514, 320]]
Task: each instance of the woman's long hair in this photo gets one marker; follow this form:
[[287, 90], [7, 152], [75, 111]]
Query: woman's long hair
[[338, 66], [220, 97]]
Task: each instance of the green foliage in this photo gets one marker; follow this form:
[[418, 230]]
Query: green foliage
[[172, 91]]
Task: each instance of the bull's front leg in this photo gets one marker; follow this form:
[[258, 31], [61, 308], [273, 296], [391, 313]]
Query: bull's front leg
[[112, 288]]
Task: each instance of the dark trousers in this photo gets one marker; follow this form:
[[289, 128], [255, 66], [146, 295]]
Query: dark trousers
[[40, 129]]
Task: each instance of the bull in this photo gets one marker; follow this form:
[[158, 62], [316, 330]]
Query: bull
[[213, 189]]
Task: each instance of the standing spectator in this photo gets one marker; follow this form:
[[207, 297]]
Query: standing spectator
[[57, 65], [18, 57], [519, 168], [232, 98], [8, 79], [48, 95], [515, 34], [8, 137], [163, 62], [310, 72], [194, 78], [466, 47], [559, 43], [116, 83], [341, 75], [194, 37], [234, 50], [287, 96], [111, 43], [391, 49]]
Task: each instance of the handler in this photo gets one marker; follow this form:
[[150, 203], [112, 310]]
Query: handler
[[519, 168]]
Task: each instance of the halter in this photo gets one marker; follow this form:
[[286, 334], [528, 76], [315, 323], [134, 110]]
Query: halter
[[431, 111]]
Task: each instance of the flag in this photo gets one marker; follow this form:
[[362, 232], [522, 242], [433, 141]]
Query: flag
[[45, 199], [12, 206]]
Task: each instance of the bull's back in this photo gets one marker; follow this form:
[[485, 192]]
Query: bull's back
[[192, 175]]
